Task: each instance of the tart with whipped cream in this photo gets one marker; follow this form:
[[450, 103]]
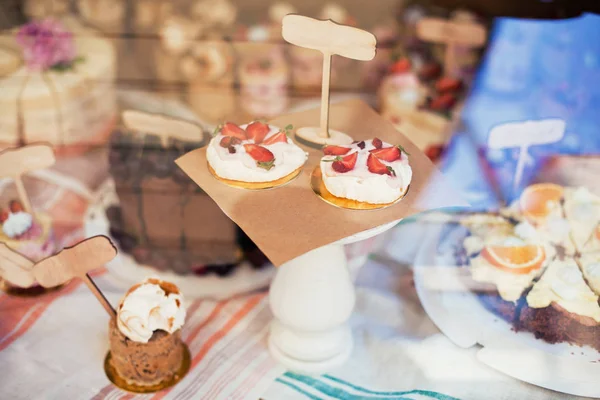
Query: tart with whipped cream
[[146, 349], [541, 263], [254, 156], [369, 172], [27, 234]]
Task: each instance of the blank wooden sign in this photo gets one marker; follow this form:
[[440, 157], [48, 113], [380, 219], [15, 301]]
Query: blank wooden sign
[[329, 37], [19, 161], [163, 126]]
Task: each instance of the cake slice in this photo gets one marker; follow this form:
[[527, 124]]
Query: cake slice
[[509, 264], [582, 210], [562, 308], [540, 216], [589, 263]]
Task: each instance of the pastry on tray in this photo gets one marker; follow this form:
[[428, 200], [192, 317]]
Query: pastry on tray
[[254, 156], [145, 337], [369, 171], [29, 235], [544, 278]]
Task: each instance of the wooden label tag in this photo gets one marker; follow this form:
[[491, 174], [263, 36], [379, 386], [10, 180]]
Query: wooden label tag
[[163, 126], [329, 37], [16, 162], [438, 30], [74, 262], [15, 268]]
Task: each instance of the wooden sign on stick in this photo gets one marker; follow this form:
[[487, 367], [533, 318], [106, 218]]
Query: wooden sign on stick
[[523, 135], [451, 34], [329, 38], [15, 268], [76, 262], [163, 126], [14, 163]]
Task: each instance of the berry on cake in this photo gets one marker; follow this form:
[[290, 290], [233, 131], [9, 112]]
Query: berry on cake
[[368, 171], [254, 156]]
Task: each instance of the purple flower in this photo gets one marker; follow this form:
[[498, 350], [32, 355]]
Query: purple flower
[[46, 44]]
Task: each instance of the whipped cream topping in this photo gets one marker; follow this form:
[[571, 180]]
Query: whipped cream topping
[[590, 267], [241, 167], [17, 224], [582, 209], [150, 306], [563, 284], [362, 185]]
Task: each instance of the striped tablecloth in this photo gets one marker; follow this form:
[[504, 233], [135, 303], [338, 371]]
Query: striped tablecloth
[[53, 348]]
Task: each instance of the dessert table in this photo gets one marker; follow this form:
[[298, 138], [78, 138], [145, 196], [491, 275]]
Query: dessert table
[[54, 347]]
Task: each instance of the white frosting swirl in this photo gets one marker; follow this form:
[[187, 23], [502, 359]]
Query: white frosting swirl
[[17, 224], [362, 185], [241, 167], [148, 308]]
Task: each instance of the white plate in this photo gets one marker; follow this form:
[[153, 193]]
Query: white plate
[[459, 315]]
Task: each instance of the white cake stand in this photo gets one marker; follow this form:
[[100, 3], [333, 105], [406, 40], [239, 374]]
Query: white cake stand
[[312, 298]]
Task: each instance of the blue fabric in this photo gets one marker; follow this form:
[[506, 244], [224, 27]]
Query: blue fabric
[[532, 70]]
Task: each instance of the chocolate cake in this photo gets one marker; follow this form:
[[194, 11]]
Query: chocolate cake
[[164, 220], [145, 364]]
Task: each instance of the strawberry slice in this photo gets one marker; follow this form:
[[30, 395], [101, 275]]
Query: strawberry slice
[[228, 141], [400, 66], [3, 215], [389, 154], [377, 143], [263, 157], [344, 164], [276, 138], [377, 167], [231, 129], [257, 131], [15, 206], [335, 150], [447, 84]]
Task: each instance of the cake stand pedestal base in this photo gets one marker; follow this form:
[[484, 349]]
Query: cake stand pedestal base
[[312, 298]]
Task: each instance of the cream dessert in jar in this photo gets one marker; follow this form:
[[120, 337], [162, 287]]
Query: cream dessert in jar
[[255, 153], [369, 171]]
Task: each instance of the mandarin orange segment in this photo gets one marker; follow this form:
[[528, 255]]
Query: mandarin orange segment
[[515, 259], [537, 201]]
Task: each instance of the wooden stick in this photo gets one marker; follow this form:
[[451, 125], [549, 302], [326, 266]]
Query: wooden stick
[[325, 96], [330, 39], [23, 194], [99, 296], [76, 262], [14, 163]]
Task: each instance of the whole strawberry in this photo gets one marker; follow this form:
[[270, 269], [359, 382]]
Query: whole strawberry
[[263, 157], [377, 143]]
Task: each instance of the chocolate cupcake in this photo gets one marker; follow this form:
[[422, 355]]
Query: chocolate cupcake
[[145, 337]]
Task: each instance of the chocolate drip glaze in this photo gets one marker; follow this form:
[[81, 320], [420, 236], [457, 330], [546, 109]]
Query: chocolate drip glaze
[[164, 219]]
